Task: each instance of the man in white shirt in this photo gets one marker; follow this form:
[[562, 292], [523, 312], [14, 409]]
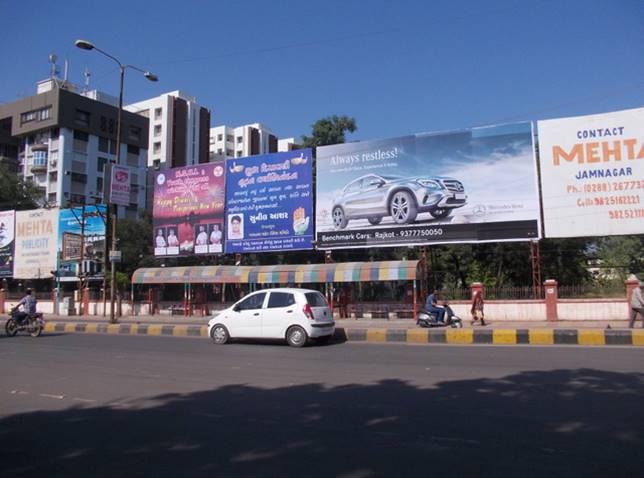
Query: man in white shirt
[[173, 241], [215, 235], [202, 237], [637, 305], [160, 240]]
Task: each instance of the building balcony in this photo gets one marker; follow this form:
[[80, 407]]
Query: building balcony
[[38, 168], [39, 147]]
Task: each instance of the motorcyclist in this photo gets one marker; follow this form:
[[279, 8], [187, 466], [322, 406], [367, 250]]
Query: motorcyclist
[[28, 303], [431, 305]]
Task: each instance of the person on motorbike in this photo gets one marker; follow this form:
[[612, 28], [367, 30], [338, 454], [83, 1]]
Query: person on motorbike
[[28, 303], [431, 305]]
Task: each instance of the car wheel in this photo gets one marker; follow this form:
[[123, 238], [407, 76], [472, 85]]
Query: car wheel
[[374, 221], [339, 219], [296, 336], [402, 208], [219, 334], [440, 213]]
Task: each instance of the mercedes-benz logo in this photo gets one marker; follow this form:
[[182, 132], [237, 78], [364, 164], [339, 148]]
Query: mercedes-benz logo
[[479, 210]]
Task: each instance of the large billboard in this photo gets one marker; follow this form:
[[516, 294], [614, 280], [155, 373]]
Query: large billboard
[[269, 203], [81, 234], [36, 238], [7, 236], [188, 211], [475, 185], [592, 174]]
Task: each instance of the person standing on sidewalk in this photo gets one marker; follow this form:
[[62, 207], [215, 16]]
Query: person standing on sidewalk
[[637, 305], [477, 308]]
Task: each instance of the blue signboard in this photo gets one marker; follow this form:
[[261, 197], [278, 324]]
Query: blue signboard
[[81, 228], [269, 203]]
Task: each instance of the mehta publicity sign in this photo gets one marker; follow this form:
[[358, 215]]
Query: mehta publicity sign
[[188, 211], [269, 202], [36, 238], [475, 185], [120, 185], [7, 222], [592, 174]]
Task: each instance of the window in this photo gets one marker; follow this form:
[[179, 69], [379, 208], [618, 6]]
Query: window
[[251, 302], [44, 114], [230, 138], [81, 118], [103, 144], [157, 113], [239, 153], [81, 135], [108, 125], [156, 163], [100, 166], [156, 149], [240, 139], [134, 133], [27, 117], [354, 187], [79, 178], [280, 299], [220, 137], [133, 149], [220, 151], [99, 185], [229, 152], [77, 198], [315, 299], [157, 130]]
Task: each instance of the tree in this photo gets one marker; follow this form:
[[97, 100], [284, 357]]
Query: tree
[[135, 242], [329, 130], [16, 193]]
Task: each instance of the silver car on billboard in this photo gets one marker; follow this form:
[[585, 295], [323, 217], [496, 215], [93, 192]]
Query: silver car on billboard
[[375, 196]]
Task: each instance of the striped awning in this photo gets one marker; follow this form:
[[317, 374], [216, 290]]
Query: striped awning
[[280, 274]]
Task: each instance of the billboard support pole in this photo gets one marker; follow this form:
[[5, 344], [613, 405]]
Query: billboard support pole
[[535, 257]]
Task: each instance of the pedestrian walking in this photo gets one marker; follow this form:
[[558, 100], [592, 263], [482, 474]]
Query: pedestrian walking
[[477, 308], [637, 305]]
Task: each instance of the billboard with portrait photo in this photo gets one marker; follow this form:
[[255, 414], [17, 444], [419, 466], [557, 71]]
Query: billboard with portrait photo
[[475, 185], [187, 200]]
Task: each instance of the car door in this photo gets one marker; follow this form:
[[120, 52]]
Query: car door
[[372, 196], [246, 317], [280, 312]]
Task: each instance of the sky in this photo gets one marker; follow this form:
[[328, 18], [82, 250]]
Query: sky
[[398, 68]]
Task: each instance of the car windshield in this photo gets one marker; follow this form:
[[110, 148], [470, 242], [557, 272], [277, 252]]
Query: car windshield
[[391, 178], [315, 299]]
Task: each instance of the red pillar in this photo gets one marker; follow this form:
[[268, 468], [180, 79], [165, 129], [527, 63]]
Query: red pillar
[[552, 296], [85, 302], [2, 298], [477, 287]]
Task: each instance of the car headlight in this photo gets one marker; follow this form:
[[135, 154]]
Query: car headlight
[[429, 183]]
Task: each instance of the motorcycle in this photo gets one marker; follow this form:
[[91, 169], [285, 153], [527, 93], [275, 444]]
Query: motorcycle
[[33, 323], [427, 319]]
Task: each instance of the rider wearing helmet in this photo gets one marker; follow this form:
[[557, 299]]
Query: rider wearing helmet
[[28, 303]]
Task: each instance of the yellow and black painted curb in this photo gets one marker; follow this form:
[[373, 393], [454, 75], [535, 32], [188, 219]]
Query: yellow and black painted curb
[[537, 336]]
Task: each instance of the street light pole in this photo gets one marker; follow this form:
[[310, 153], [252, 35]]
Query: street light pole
[[86, 45]]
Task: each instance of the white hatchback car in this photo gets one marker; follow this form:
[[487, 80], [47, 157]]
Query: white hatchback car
[[292, 314]]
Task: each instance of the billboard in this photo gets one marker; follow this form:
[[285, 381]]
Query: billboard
[[269, 202], [36, 238], [81, 229], [7, 236], [592, 174], [119, 192], [475, 185], [188, 211]]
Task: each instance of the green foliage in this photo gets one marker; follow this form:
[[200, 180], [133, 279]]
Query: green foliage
[[329, 130], [135, 242], [16, 193], [619, 257]]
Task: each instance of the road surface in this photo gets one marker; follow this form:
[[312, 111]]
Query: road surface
[[97, 405]]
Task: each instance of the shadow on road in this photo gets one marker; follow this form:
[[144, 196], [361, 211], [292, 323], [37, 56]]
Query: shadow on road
[[557, 423]]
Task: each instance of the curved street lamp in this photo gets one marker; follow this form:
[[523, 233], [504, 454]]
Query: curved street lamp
[[87, 45]]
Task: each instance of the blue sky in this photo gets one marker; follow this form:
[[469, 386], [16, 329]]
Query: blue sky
[[398, 67]]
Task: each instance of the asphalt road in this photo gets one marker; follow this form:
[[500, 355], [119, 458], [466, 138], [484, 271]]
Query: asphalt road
[[97, 405]]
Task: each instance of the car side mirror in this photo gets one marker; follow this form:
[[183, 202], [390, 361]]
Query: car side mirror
[[236, 308]]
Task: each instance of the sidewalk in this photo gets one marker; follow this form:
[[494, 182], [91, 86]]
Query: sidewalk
[[390, 324]]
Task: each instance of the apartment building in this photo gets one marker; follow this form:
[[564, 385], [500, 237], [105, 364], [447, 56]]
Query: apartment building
[[248, 140], [178, 129], [62, 141]]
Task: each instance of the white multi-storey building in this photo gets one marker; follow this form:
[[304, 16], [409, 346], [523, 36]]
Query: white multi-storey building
[[178, 129], [64, 140], [248, 140]]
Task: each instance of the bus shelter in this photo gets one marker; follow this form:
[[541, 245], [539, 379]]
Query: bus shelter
[[283, 274]]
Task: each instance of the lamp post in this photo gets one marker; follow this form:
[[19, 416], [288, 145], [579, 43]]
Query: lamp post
[[86, 45]]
